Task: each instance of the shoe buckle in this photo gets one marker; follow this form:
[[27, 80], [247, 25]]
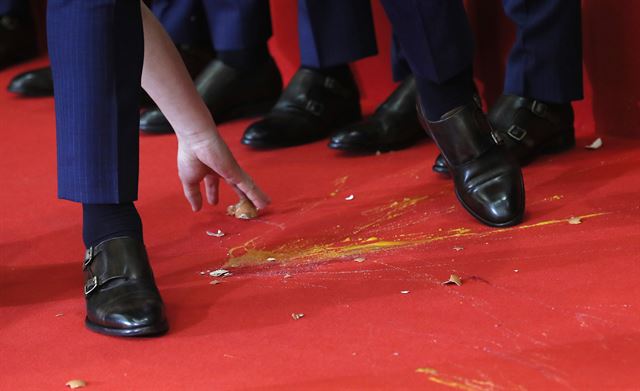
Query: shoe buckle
[[90, 285], [330, 83], [496, 138], [314, 107], [88, 257], [477, 101], [538, 108], [517, 133]]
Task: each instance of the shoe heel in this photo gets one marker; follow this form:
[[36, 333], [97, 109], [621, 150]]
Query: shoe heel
[[562, 142]]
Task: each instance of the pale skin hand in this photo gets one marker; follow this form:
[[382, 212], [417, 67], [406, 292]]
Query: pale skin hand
[[202, 154]]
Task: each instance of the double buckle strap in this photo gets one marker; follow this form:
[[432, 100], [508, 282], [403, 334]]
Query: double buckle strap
[[92, 283]]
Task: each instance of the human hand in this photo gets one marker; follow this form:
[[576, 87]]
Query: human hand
[[209, 159]]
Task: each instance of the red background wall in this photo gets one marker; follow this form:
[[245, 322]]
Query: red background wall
[[611, 58]]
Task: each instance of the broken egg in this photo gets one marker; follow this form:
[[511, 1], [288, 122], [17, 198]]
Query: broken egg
[[575, 220], [76, 383], [217, 234], [244, 210], [595, 145]]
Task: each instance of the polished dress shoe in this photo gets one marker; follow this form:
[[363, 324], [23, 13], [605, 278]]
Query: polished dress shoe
[[17, 40], [487, 180], [228, 93], [529, 128], [34, 83], [393, 126], [310, 108], [120, 291]]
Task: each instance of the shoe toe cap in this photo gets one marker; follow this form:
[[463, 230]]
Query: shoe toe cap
[[153, 121], [276, 131], [31, 84], [499, 202], [135, 314]]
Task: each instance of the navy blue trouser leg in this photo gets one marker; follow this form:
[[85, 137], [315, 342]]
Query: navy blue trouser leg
[[183, 19], [437, 43], [435, 36], [399, 66], [332, 32], [238, 24], [96, 50], [546, 60], [335, 32]]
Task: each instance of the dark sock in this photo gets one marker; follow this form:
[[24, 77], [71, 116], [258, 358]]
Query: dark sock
[[105, 221], [342, 73], [245, 59], [440, 98]]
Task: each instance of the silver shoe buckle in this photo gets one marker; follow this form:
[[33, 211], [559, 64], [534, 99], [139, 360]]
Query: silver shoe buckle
[[88, 257], [314, 107], [538, 108], [90, 285], [517, 133]]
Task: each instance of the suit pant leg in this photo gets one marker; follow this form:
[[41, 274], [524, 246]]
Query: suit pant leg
[[96, 51], [399, 66], [238, 24], [184, 20], [437, 43], [435, 36], [335, 32], [546, 60]]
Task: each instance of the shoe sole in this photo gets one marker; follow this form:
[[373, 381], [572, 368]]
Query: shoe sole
[[381, 148], [349, 119], [145, 331], [32, 94]]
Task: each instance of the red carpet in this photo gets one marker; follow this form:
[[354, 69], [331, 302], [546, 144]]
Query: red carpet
[[545, 305]]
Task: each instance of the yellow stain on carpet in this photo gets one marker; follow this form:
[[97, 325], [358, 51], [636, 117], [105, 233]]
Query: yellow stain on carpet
[[339, 184], [457, 382], [388, 212], [304, 251]]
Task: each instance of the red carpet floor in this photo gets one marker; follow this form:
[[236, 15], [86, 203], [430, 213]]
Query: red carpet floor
[[545, 305]]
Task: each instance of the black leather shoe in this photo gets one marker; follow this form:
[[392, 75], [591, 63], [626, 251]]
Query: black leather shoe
[[310, 108], [529, 128], [393, 126], [121, 294], [34, 83], [228, 93], [488, 181], [17, 40]]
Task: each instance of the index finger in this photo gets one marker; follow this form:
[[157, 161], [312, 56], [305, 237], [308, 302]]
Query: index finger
[[247, 188]]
